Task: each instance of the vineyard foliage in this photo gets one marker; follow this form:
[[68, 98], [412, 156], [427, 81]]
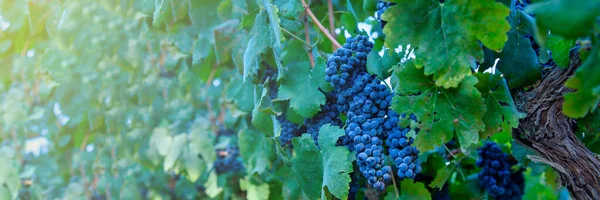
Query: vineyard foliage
[[242, 99]]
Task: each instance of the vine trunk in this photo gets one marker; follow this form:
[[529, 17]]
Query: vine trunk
[[551, 134]]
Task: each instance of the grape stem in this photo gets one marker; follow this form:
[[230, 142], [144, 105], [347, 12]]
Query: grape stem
[[311, 58], [331, 24], [394, 179], [296, 37], [316, 21]]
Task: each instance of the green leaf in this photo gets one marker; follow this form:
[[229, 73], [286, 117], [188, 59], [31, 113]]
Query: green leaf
[[440, 112], [502, 114], [265, 103], [570, 19], [175, 150], [370, 5], [389, 60], [302, 78], [442, 176], [261, 120], [9, 176], [560, 49], [518, 61], [374, 64], [257, 45], [412, 190], [256, 150], [586, 81], [161, 140], [202, 141], [194, 166], [446, 36], [211, 186], [289, 9], [327, 167], [274, 21], [242, 95], [254, 192]]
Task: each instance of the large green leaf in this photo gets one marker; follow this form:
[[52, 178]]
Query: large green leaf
[[413, 190], [241, 94], [326, 167], [518, 61], [255, 192], [502, 114], [161, 140], [442, 176], [175, 149], [256, 150], [570, 19], [259, 41], [440, 112], [586, 81], [560, 48], [302, 82], [446, 36]]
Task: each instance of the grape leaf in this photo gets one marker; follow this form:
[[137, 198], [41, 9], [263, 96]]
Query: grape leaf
[[327, 167], [265, 104], [446, 36], [586, 81], [262, 121], [440, 112], [9, 176], [256, 150], [442, 176], [274, 21], [374, 64], [242, 95], [413, 190], [289, 9], [502, 114], [257, 44], [254, 192], [194, 166], [161, 140], [302, 82], [518, 61], [212, 186], [560, 48], [570, 19], [175, 149]]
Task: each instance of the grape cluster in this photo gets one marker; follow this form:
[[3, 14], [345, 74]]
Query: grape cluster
[[347, 62], [288, 131], [228, 160], [496, 176], [365, 101], [404, 155], [329, 114], [381, 7]]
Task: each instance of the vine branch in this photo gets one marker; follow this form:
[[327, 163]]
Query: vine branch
[[331, 24], [311, 58], [323, 29]]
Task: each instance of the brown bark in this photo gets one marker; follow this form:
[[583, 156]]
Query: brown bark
[[549, 133]]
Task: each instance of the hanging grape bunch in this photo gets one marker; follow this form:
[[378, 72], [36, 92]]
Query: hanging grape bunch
[[365, 100], [228, 160], [496, 176]]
